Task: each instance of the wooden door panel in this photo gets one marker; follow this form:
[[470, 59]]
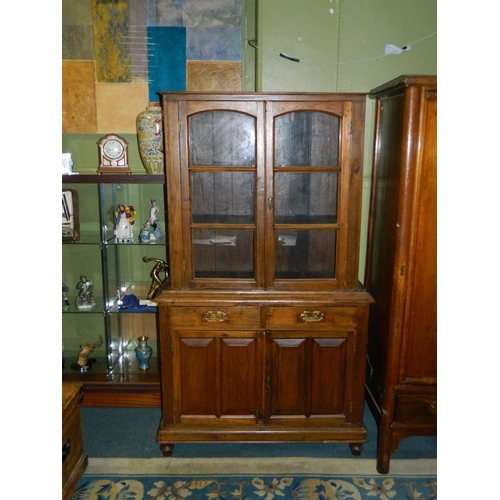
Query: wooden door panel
[[308, 376], [198, 376], [327, 376], [422, 324], [220, 375], [288, 376], [238, 377]]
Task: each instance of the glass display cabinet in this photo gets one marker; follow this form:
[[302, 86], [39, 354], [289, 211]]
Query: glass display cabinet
[[117, 262], [263, 323]]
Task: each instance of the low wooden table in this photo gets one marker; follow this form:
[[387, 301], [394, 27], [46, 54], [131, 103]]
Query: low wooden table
[[74, 458]]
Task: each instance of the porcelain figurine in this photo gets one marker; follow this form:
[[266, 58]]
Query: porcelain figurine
[[151, 230], [124, 220], [85, 299], [65, 301]]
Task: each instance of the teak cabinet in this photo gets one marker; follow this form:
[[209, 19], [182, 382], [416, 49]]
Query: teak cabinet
[[263, 325], [401, 271]]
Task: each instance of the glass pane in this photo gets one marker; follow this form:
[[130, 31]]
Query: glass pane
[[222, 197], [223, 253], [305, 254], [225, 138], [307, 138], [306, 198]]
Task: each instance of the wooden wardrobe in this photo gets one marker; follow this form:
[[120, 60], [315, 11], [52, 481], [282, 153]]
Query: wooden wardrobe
[[401, 271]]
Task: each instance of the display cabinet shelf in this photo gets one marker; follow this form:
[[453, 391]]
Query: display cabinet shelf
[[121, 282]]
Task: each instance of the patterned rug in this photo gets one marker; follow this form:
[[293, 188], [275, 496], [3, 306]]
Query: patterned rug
[[295, 478]]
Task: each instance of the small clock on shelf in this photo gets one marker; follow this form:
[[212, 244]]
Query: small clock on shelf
[[113, 155]]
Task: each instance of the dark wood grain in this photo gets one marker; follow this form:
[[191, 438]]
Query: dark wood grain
[[401, 271]]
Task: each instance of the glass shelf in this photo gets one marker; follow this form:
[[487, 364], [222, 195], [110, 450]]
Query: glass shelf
[[117, 269]]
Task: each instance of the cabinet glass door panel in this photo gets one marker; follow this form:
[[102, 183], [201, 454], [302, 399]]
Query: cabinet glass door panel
[[306, 138], [221, 138], [306, 198], [305, 254], [222, 197], [223, 253]]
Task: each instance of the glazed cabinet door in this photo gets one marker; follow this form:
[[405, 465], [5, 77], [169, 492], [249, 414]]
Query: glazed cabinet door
[[219, 173], [218, 377], [311, 219]]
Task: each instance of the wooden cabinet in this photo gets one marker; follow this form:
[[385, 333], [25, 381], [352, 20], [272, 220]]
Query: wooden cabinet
[[74, 458], [401, 264], [263, 324]]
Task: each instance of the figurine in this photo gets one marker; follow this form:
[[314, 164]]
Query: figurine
[[157, 283], [85, 300], [84, 362], [151, 229], [124, 220], [65, 301]]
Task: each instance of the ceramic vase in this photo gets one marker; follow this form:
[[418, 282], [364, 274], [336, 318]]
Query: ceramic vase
[[150, 139], [143, 352]]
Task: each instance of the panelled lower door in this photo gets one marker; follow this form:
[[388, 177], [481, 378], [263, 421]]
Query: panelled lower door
[[218, 377]]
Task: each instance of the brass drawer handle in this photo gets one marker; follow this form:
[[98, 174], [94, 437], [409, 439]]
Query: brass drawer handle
[[433, 407], [215, 317], [311, 316]]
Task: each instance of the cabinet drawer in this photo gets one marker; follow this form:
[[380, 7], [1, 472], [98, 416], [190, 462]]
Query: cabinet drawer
[[417, 409], [72, 443], [215, 318], [310, 317]]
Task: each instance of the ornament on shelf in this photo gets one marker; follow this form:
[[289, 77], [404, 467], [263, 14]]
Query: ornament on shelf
[[65, 300], [157, 283], [83, 362], [151, 232], [85, 299], [143, 352], [124, 220], [150, 139]]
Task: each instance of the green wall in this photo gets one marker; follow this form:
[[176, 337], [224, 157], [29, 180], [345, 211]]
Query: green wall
[[330, 45], [341, 48]]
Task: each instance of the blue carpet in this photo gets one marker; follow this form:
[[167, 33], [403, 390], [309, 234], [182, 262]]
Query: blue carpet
[[250, 487], [131, 432]]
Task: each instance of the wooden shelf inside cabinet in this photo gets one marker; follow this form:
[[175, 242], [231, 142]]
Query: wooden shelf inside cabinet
[[113, 179]]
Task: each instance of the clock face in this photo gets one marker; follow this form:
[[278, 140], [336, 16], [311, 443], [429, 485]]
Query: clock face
[[113, 149]]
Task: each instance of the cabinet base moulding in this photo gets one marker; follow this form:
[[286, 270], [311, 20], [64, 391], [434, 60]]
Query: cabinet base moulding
[[168, 437]]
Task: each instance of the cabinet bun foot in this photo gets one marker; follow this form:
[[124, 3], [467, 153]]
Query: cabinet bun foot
[[167, 449], [356, 448]]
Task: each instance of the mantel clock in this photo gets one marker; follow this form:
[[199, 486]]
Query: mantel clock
[[113, 155]]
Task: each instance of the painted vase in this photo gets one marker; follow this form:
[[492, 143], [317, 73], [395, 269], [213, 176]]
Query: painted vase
[[143, 352], [150, 139]]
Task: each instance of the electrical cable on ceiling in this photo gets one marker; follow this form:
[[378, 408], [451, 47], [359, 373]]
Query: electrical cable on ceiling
[[404, 48]]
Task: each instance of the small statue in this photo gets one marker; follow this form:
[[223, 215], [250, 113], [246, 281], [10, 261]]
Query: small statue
[[84, 362], [65, 301], [124, 220], [151, 232], [85, 300], [157, 283]]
